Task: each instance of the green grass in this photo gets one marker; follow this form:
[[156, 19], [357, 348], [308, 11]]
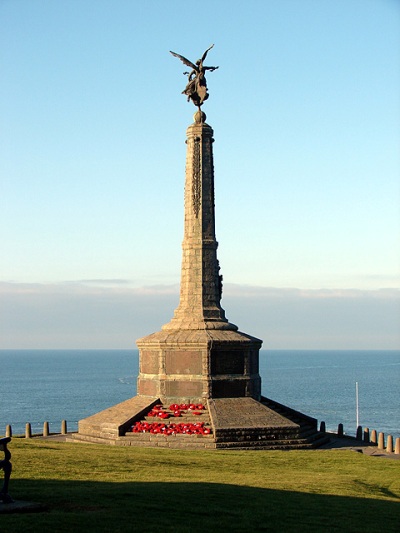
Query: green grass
[[114, 489]]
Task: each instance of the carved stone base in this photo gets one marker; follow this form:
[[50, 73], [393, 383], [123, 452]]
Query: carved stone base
[[195, 365], [235, 423]]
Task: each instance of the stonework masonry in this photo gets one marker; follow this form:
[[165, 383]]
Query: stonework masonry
[[200, 296], [199, 354]]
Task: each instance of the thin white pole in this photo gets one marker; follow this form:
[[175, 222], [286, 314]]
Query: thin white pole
[[357, 412]]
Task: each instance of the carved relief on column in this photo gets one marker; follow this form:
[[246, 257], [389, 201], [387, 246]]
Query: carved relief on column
[[196, 183], [212, 199]]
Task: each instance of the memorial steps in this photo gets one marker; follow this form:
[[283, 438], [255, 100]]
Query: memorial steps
[[234, 423], [272, 426]]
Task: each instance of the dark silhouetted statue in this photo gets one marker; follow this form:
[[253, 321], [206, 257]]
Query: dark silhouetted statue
[[196, 89]]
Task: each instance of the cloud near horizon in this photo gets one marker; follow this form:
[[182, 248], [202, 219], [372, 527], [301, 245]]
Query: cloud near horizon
[[110, 314]]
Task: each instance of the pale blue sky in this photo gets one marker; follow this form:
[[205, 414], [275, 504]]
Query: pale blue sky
[[306, 113]]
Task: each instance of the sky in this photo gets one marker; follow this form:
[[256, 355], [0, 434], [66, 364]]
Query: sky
[[305, 109]]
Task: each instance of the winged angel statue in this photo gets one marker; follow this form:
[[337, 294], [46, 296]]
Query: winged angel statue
[[196, 89]]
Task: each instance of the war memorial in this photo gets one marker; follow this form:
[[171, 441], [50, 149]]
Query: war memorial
[[199, 384]]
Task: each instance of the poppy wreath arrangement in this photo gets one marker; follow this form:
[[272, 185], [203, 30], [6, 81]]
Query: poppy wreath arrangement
[[175, 410]]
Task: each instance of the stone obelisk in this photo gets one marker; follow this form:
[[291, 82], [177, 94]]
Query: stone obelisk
[[199, 354], [201, 283]]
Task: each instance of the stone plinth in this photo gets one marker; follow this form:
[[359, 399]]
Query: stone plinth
[[194, 365], [235, 423]]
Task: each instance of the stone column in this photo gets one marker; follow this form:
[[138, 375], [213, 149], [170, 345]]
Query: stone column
[[201, 281]]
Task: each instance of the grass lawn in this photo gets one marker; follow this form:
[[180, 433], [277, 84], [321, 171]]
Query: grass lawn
[[104, 488]]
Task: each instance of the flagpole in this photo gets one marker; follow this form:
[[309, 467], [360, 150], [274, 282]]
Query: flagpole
[[357, 412]]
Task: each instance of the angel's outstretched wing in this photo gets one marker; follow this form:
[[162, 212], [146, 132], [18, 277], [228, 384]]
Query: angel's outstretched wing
[[206, 52], [184, 60]]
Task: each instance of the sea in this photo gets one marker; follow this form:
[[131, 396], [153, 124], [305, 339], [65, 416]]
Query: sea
[[55, 385]]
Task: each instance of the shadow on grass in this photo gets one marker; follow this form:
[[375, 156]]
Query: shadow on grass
[[123, 507]]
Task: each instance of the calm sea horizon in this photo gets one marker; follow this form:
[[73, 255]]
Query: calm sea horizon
[[55, 385]]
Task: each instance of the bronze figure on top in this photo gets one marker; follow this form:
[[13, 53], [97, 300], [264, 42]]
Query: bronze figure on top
[[196, 89]]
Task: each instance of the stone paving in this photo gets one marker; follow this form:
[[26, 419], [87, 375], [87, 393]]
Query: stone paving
[[245, 413], [352, 444]]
